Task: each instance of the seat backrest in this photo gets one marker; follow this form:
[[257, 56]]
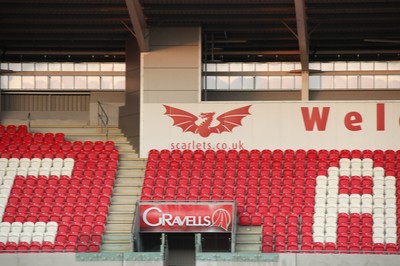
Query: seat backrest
[[40, 227], [28, 227], [16, 227], [51, 227]]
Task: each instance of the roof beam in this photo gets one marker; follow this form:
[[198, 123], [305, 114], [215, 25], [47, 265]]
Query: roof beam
[[63, 9], [63, 52], [302, 33], [48, 36], [263, 52], [138, 22], [358, 51]]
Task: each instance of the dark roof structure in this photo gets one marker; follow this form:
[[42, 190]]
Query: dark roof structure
[[233, 30]]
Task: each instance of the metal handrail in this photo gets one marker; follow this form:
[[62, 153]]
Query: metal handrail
[[29, 122], [102, 117]]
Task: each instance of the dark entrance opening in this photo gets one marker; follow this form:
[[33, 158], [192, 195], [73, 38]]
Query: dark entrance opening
[[181, 249], [151, 242], [216, 242]]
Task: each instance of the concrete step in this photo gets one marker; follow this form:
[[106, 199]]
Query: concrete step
[[248, 248], [20, 118], [132, 189], [249, 230], [122, 208], [116, 247], [248, 239], [83, 133], [109, 237], [124, 228], [138, 164], [129, 165], [125, 155], [125, 217], [129, 181], [74, 129], [124, 199], [126, 191], [95, 137], [123, 146], [130, 173]]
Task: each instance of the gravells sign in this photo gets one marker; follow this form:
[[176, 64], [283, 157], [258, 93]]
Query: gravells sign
[[181, 217]]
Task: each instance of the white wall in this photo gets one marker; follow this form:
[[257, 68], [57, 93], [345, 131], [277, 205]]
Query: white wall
[[278, 125]]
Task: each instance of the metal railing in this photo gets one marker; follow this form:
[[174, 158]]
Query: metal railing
[[102, 118], [29, 122], [164, 248]]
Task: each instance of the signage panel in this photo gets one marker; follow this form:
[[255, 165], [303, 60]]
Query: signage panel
[[186, 217], [274, 125]]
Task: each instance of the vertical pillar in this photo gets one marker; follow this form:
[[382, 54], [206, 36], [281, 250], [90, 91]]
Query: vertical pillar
[[172, 67], [305, 84], [129, 114]]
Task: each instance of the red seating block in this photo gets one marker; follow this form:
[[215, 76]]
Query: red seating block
[[275, 189]]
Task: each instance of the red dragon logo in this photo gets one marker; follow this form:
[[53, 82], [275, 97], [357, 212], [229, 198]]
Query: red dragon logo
[[187, 121]]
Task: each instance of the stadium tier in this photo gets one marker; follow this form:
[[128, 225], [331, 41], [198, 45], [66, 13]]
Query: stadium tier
[[338, 201], [54, 194]]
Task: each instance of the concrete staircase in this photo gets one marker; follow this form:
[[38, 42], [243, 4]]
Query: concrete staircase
[[127, 190], [127, 187], [248, 239]]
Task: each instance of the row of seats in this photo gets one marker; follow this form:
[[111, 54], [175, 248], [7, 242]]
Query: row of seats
[[60, 146], [265, 174], [53, 189], [112, 155], [64, 146], [263, 169], [332, 248], [15, 163], [353, 165], [270, 154], [13, 129], [42, 171], [56, 166], [24, 142], [28, 232], [41, 182], [46, 246]]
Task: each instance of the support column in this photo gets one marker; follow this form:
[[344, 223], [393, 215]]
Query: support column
[[305, 84], [129, 114]]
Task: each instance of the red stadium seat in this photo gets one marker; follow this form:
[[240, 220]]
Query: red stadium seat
[[94, 246]]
